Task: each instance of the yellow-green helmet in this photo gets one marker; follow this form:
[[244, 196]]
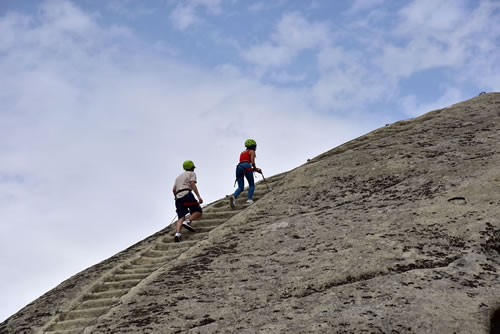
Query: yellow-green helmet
[[250, 143], [188, 164]]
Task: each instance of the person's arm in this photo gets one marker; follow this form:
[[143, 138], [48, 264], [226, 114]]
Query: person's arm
[[252, 161], [174, 190], [195, 189]]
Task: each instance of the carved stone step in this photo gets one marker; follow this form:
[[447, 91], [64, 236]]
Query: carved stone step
[[203, 229], [96, 303], [105, 294], [138, 267], [154, 260], [156, 253], [169, 242], [125, 277], [76, 314], [192, 236], [113, 286], [137, 270], [70, 325], [208, 222], [170, 247], [64, 331], [221, 214]]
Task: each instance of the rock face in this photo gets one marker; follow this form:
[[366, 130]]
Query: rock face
[[397, 231]]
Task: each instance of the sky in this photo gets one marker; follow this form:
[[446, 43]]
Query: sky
[[102, 101]]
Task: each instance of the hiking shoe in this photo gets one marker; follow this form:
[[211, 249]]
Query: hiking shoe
[[187, 225], [232, 202], [177, 237], [249, 201]]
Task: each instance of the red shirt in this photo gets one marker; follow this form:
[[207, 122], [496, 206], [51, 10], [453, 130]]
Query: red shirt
[[245, 156]]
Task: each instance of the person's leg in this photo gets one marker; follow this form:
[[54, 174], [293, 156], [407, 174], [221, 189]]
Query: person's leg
[[232, 198], [195, 211], [241, 181], [195, 216], [178, 225], [182, 211], [251, 184]]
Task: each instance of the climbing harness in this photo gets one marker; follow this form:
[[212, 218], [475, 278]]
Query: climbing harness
[[181, 190], [244, 172]]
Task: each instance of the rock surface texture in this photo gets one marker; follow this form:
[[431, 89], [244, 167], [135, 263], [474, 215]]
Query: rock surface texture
[[397, 231]]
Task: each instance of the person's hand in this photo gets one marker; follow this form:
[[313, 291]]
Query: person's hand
[[258, 170], [200, 200]]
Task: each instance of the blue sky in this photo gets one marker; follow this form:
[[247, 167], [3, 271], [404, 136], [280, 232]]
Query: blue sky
[[102, 101]]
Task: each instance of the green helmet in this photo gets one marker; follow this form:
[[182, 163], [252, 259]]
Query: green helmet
[[250, 142], [188, 164]]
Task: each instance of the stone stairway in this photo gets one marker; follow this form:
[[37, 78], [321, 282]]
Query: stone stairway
[[106, 294]]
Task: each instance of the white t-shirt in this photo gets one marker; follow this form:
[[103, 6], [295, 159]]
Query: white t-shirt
[[183, 181]]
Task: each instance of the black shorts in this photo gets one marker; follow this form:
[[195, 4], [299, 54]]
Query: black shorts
[[187, 204]]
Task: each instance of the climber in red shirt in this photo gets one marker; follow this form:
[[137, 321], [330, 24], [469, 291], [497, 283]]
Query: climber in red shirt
[[245, 169]]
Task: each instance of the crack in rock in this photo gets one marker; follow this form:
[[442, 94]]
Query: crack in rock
[[398, 269]]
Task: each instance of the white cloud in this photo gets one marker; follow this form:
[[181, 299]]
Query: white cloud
[[421, 54], [63, 16], [187, 13], [296, 33], [412, 107], [480, 35], [267, 54], [9, 25], [432, 42], [347, 81], [433, 16], [441, 34], [385, 49], [335, 57], [292, 34], [183, 16], [286, 78]]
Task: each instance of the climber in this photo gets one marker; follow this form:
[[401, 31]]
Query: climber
[[184, 199], [245, 168]]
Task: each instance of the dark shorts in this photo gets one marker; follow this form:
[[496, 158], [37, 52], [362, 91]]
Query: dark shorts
[[187, 204]]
